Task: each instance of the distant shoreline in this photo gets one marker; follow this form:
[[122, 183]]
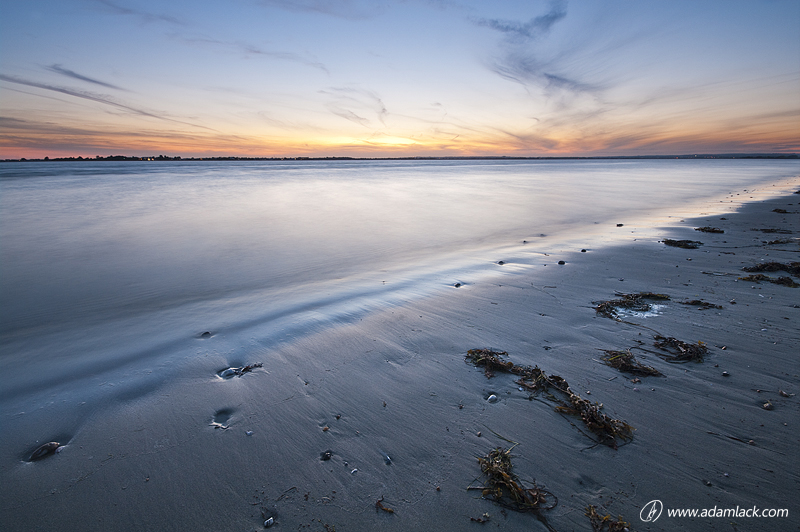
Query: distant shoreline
[[411, 158]]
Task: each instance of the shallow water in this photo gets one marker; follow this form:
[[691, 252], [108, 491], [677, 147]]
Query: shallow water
[[106, 269]]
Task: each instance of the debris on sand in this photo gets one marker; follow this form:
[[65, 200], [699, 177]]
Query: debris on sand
[[686, 244], [780, 211], [633, 302], [700, 304], [792, 268], [757, 278], [679, 351], [504, 488], [773, 230], [227, 373], [605, 523], [607, 429], [44, 450], [709, 229], [379, 506], [626, 361], [490, 360]]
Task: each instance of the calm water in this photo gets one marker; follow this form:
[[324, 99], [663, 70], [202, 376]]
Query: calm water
[[106, 268]]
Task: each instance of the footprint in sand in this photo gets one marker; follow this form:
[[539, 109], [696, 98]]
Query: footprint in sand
[[221, 418]]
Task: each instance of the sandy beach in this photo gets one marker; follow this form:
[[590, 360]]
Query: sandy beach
[[404, 418]]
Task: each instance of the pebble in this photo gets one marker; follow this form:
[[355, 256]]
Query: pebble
[[561, 262], [492, 398], [768, 406], [249, 432], [269, 522], [726, 374], [457, 285], [326, 455]]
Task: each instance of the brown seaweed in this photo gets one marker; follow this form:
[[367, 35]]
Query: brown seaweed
[[504, 487], [792, 268], [626, 361], [679, 351], [605, 523], [607, 429], [634, 302], [757, 278], [709, 229], [773, 230], [686, 244], [699, 303]]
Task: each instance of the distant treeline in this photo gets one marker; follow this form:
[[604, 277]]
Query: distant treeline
[[426, 158]]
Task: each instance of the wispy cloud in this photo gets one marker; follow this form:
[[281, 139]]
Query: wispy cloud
[[141, 15], [253, 50], [521, 56], [535, 28], [58, 69], [345, 101], [94, 97], [346, 9]]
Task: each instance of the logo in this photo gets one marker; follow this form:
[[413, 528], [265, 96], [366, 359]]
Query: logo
[[651, 511]]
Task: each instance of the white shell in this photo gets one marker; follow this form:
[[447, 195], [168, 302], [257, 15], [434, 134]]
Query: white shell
[[269, 522], [492, 398]]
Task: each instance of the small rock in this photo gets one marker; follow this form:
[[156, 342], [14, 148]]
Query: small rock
[[706, 482], [457, 285], [583, 251], [249, 432], [206, 334], [726, 374], [619, 225], [500, 262], [326, 455], [561, 262], [492, 398], [269, 522], [768, 406]]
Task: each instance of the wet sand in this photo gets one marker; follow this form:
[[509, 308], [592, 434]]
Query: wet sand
[[405, 417]]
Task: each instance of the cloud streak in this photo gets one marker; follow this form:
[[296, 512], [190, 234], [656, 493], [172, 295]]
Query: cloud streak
[[141, 15], [98, 98], [346, 9], [58, 69], [252, 50]]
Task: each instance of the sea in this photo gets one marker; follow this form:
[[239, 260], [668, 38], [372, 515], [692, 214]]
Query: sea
[[109, 269]]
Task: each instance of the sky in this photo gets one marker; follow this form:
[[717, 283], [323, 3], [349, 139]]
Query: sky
[[398, 78]]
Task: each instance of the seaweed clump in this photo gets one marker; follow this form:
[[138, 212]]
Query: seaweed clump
[[607, 429], [626, 361], [679, 351], [708, 229], [605, 523], [633, 302], [700, 304], [757, 278], [504, 488], [773, 230], [686, 244], [793, 268], [490, 360]]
